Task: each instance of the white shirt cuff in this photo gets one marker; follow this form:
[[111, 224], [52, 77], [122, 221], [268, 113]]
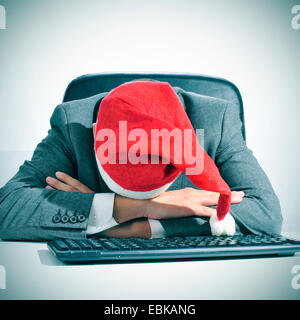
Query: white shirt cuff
[[157, 229], [101, 214]]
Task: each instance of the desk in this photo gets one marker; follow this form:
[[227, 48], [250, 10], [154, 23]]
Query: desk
[[32, 272]]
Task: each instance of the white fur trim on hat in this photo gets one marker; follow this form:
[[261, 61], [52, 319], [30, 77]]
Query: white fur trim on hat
[[113, 186], [224, 227]]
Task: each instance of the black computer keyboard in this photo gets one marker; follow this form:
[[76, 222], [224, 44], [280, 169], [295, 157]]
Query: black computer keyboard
[[113, 249]]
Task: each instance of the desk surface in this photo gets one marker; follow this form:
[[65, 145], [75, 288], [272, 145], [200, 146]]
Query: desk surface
[[30, 271]]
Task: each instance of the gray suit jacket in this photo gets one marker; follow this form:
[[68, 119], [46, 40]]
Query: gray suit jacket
[[28, 211]]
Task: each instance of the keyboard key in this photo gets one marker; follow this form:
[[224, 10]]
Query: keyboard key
[[72, 244], [110, 246], [202, 244], [96, 244], [232, 243], [84, 245], [60, 245], [222, 243]]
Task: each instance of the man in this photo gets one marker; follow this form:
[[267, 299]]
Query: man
[[60, 193]]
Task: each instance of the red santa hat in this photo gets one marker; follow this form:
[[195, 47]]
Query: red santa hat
[[144, 140]]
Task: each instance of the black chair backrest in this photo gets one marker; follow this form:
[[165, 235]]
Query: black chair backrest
[[92, 84]]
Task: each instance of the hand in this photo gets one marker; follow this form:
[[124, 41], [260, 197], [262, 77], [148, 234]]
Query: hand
[[125, 209], [133, 228], [186, 202], [66, 183]]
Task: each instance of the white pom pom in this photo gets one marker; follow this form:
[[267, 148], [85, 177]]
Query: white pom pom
[[224, 227]]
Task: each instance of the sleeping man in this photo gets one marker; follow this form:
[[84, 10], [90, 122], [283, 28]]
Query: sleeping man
[[128, 163]]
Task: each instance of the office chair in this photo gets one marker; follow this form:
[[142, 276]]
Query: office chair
[[92, 84]]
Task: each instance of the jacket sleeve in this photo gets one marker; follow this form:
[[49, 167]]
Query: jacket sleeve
[[259, 212], [28, 211]]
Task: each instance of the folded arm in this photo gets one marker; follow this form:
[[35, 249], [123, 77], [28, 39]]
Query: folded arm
[[140, 218]]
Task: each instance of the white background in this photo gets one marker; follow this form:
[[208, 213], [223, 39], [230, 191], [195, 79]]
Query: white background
[[47, 43]]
